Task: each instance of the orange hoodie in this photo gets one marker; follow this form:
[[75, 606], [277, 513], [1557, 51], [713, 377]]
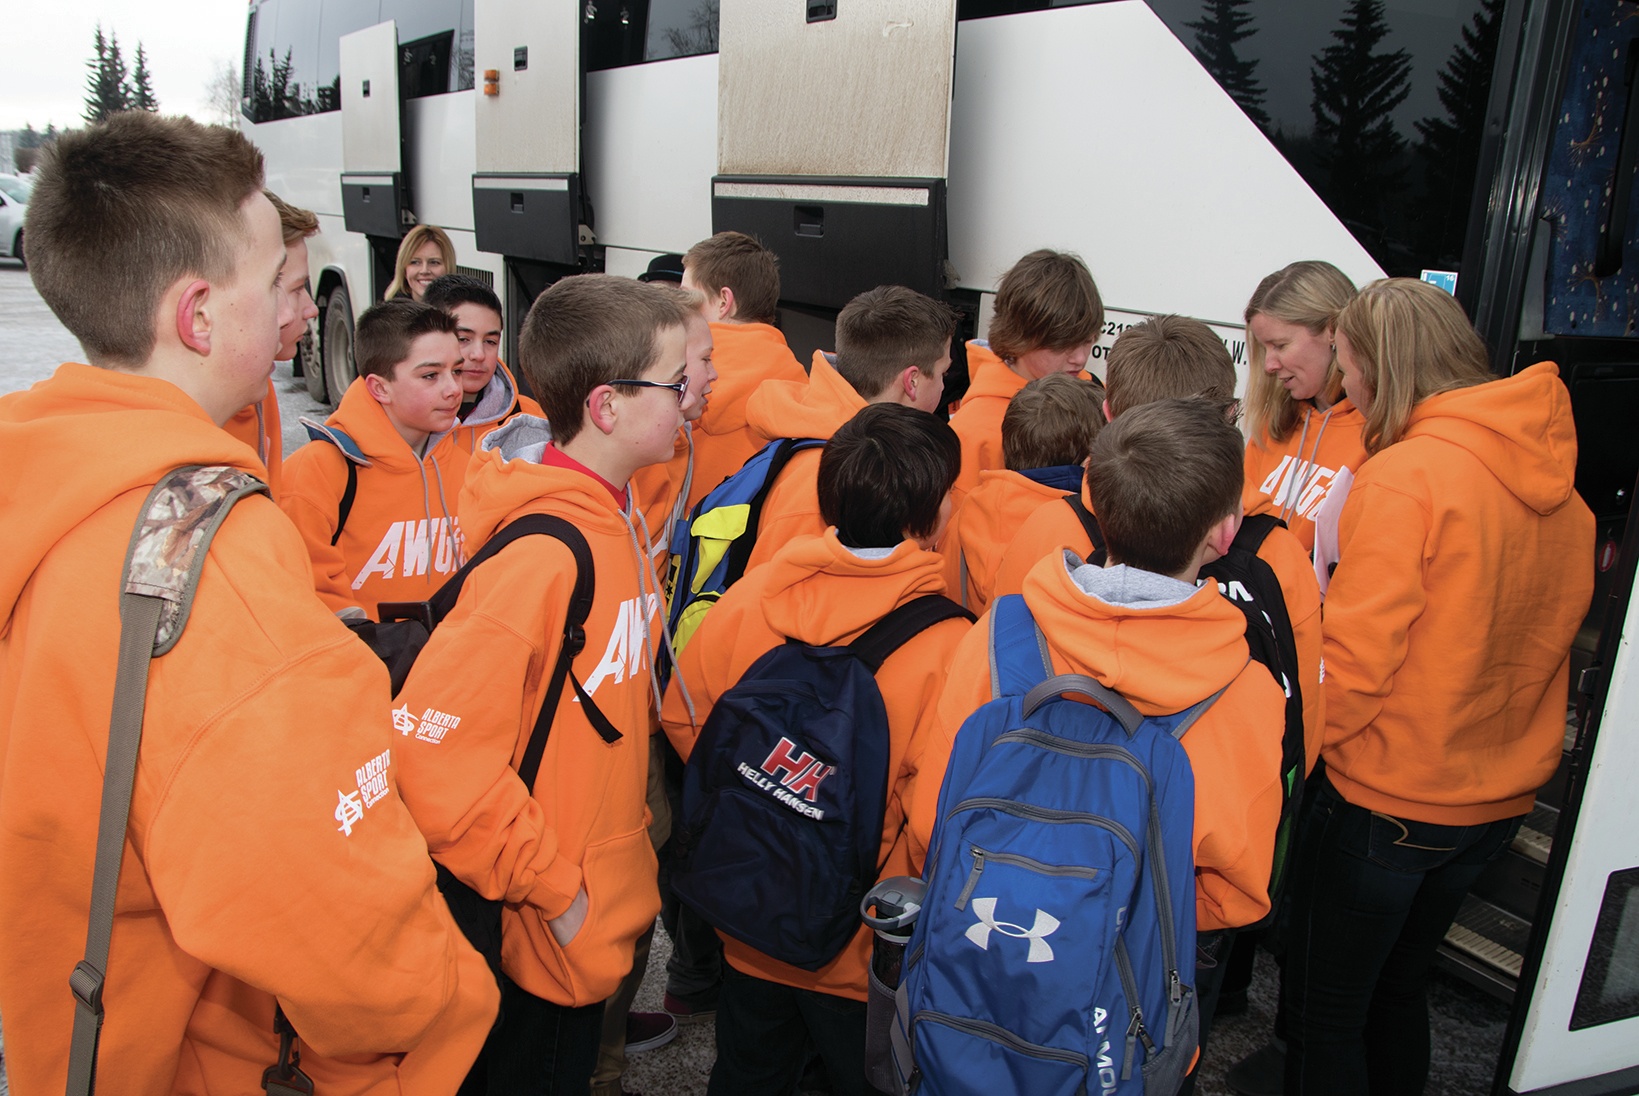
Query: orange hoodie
[[745, 355], [402, 538], [1164, 648], [465, 715], [258, 427], [815, 408], [1054, 526], [1290, 478], [1466, 571], [268, 851], [983, 527], [816, 591], [658, 490], [978, 421], [497, 402]]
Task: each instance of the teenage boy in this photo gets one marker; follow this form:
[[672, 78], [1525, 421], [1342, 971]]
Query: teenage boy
[[258, 425], [884, 485], [248, 878], [489, 392], [1048, 313], [663, 489], [572, 858], [1046, 435], [1166, 481], [740, 280], [373, 493], [893, 346], [1170, 357]]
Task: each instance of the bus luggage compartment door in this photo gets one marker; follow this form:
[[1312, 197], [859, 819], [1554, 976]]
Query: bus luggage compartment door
[[833, 140], [374, 199], [526, 194]]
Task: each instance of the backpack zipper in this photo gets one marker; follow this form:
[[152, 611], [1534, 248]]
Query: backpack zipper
[[1049, 814], [984, 1030], [1135, 1029], [981, 857]]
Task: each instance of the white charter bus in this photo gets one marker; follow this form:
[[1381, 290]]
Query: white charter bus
[[1185, 148]]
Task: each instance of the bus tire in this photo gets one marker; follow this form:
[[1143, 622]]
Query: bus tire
[[337, 350]]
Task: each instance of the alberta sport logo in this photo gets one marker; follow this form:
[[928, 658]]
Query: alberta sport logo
[[792, 776]]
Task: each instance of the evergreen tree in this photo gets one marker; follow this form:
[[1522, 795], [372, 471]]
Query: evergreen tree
[[141, 89], [105, 88], [1223, 23], [1356, 90], [30, 137], [1450, 146]]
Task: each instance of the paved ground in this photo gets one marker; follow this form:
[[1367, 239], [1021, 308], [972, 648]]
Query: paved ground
[[1467, 1025]]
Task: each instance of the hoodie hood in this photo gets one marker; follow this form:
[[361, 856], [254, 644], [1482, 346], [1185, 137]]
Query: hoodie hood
[[1157, 641], [746, 355], [854, 591], [124, 432], [1518, 427], [988, 374], [506, 479], [362, 419], [815, 408], [495, 401]]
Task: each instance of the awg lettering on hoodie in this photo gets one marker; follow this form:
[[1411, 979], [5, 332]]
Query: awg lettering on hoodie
[[402, 538], [1290, 478], [268, 851]]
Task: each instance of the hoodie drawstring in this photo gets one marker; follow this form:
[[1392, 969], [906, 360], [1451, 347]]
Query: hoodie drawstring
[[1304, 472], [647, 565]]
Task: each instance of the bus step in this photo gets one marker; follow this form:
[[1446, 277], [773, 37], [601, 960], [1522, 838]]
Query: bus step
[[1536, 834], [1492, 935]]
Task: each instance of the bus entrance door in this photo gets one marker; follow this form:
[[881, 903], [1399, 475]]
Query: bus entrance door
[[375, 197], [833, 147]]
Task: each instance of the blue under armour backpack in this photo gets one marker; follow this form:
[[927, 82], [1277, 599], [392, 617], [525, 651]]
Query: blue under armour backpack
[[1056, 942], [785, 791]]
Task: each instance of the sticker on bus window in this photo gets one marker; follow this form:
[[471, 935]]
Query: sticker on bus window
[[1444, 279]]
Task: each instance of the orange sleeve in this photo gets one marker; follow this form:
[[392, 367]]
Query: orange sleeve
[[1286, 557], [791, 509], [314, 478], [480, 680]]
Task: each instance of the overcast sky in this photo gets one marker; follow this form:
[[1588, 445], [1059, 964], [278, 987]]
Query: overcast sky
[[44, 45]]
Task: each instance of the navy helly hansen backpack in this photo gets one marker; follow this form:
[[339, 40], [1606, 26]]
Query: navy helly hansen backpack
[[1055, 949], [1252, 586], [785, 791]]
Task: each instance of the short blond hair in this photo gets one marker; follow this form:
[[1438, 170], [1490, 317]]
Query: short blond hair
[[1411, 341], [295, 222], [1051, 421], [1167, 358], [1310, 294]]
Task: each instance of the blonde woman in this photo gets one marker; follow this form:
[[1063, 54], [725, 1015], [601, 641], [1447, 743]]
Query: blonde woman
[[425, 255], [1466, 569], [1303, 430]]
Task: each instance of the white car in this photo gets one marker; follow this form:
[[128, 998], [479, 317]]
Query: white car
[[14, 194]]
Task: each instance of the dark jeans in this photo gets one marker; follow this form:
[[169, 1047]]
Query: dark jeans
[[1211, 963], [764, 1029], [1372, 897], [539, 1048]]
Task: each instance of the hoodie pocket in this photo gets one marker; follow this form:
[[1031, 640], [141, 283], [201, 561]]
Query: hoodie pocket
[[622, 900]]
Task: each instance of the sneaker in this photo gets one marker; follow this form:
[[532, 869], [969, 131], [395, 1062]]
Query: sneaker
[[686, 1013], [648, 1030], [1261, 1073]]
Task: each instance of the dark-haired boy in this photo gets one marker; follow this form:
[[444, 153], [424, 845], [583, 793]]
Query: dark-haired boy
[[1166, 480], [884, 485], [269, 857], [1046, 435], [373, 493], [893, 346], [740, 281], [605, 356], [489, 392]]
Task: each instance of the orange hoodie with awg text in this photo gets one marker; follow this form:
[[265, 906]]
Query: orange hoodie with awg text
[[1164, 646], [465, 715], [268, 853], [1466, 568], [401, 539], [821, 593], [1290, 478]]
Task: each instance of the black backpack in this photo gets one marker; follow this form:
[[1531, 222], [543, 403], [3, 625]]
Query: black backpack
[[1252, 586]]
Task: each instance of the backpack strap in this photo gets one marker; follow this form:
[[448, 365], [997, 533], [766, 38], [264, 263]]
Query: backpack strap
[[739, 552], [163, 562], [1083, 685], [1255, 529], [1199, 710], [1089, 525], [1013, 633], [902, 625], [352, 456]]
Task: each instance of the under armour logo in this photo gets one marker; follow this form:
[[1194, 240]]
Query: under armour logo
[[1040, 950]]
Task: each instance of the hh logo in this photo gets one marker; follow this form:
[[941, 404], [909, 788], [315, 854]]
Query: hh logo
[[803, 772], [1040, 950], [1302, 482], [416, 545], [624, 655]]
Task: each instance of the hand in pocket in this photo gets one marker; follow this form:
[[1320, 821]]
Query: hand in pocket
[[566, 926]]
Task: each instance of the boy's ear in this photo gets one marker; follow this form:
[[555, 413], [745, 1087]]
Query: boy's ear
[[193, 320], [376, 385], [601, 409], [1106, 405], [1222, 535], [724, 303], [910, 382]]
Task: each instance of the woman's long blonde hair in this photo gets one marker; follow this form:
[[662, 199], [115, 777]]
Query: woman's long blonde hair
[[1310, 294], [1411, 341], [413, 240]]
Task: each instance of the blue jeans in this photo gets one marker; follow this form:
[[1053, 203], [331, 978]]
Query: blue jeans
[[1372, 897]]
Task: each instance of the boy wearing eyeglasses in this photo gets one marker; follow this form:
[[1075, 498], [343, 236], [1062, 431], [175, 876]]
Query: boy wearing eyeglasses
[[571, 857]]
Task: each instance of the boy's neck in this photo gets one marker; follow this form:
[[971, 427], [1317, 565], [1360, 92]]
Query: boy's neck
[[585, 448], [415, 439]]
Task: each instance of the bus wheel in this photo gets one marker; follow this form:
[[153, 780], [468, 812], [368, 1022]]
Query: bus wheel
[[337, 350]]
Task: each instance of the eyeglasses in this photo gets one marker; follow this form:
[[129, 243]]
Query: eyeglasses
[[680, 387]]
